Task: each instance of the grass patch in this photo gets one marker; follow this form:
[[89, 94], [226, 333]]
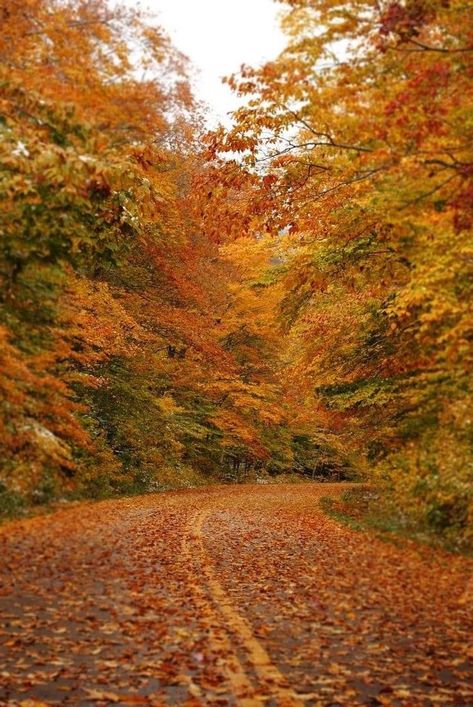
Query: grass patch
[[12, 504], [366, 508], [352, 507]]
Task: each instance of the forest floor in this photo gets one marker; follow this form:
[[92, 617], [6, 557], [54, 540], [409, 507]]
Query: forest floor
[[242, 595]]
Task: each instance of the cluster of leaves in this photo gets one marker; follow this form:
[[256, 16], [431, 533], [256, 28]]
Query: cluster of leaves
[[361, 134]]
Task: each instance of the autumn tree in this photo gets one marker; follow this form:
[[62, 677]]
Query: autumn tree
[[92, 174], [361, 135], [137, 350]]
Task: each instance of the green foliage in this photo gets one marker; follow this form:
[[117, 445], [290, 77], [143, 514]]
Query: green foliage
[[12, 503]]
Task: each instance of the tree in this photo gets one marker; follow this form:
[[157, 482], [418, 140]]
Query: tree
[[361, 135], [132, 340]]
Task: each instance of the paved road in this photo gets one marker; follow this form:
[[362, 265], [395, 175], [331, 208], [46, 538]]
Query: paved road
[[242, 595]]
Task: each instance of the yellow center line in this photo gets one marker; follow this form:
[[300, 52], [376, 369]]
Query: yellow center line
[[239, 682], [274, 681]]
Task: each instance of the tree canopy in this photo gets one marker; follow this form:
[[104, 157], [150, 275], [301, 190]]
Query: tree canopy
[[291, 294]]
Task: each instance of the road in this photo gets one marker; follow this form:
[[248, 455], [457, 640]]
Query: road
[[235, 595]]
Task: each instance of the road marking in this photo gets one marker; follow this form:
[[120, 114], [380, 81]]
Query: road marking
[[240, 684], [273, 680]]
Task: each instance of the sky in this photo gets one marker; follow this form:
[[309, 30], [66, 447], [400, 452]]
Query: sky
[[218, 36]]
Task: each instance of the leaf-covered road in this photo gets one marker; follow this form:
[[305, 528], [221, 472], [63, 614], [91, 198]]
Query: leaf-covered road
[[232, 595]]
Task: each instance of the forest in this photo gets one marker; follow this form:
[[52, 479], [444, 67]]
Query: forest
[[289, 297]]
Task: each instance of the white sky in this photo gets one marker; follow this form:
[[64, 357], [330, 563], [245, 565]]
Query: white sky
[[218, 36]]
